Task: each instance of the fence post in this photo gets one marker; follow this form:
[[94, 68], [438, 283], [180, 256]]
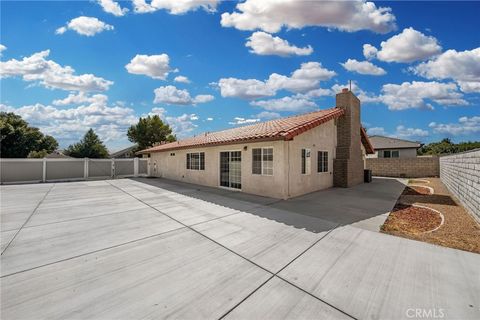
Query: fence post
[[44, 170], [85, 168], [135, 167], [113, 169], [148, 167]]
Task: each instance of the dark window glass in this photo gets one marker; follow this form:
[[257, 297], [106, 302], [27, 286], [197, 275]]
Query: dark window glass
[[303, 161], [386, 154], [202, 161], [395, 154], [322, 161], [257, 161], [188, 161]]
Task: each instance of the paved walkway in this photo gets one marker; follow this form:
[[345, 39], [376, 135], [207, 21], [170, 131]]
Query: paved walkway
[[153, 248]]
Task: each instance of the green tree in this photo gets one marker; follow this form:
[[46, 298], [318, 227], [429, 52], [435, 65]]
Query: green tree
[[150, 130], [18, 139], [446, 146], [89, 147]]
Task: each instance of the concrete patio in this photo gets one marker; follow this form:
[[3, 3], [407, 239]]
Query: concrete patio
[[153, 248]]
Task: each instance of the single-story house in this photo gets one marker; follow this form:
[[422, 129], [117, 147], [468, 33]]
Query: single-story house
[[387, 147], [124, 153], [281, 158]]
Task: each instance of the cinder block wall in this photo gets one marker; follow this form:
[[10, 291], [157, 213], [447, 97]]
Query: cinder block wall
[[461, 174], [404, 167]]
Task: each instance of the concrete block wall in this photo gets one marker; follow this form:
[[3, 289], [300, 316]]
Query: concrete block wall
[[461, 175], [404, 167]]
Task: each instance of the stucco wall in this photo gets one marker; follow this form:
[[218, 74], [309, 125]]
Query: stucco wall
[[461, 174], [404, 167], [174, 167], [321, 138], [402, 153]]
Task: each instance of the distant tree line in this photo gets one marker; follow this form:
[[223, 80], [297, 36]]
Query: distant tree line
[[446, 146], [19, 140]]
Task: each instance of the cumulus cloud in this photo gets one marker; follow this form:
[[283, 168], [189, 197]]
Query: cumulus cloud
[[155, 66], [408, 46], [363, 67], [86, 26], [464, 126], [2, 48], [306, 78], [463, 67], [418, 95], [239, 120], [79, 98], [209, 119], [51, 75], [69, 125], [181, 79], [286, 104], [401, 132], [172, 95], [112, 7], [175, 6], [272, 15], [267, 115], [182, 125], [265, 44]]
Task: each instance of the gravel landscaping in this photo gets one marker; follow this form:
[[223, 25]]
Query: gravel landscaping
[[459, 230]]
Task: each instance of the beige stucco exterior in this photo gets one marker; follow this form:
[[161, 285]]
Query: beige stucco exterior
[[287, 180]]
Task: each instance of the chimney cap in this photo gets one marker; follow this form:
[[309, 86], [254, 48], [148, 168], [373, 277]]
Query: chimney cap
[[344, 90]]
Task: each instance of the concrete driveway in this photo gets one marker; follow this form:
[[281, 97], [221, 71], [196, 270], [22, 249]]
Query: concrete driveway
[[153, 248]]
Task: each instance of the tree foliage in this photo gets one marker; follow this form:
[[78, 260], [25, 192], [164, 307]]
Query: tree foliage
[[18, 139], [446, 146], [89, 147], [150, 130]]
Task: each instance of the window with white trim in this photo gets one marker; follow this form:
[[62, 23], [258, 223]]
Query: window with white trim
[[322, 161], [196, 161], [306, 161], [391, 153], [262, 161]]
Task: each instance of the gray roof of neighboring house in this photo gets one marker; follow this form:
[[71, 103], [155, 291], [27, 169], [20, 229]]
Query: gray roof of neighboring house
[[123, 151], [381, 142], [56, 154]]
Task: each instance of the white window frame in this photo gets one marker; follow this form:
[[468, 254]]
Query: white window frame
[[189, 154], [308, 161], [328, 161], [263, 168]]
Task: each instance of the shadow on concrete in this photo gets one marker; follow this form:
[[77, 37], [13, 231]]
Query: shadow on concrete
[[316, 212]]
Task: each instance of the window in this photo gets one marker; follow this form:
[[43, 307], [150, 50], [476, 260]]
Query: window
[[196, 161], [391, 153], [172, 154], [395, 154], [322, 161], [262, 161], [306, 161], [386, 154]]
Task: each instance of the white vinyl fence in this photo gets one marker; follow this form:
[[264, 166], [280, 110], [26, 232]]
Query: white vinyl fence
[[47, 170]]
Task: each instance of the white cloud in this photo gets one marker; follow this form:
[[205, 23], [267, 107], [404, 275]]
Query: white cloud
[[172, 95], [86, 26], [264, 44], [181, 79], [51, 75], [416, 95], [363, 67], [401, 132], [408, 46], [286, 104], [320, 92], [272, 15], [363, 96], [306, 78], [463, 67], [112, 7], [209, 119], [175, 6], [182, 125], [369, 51], [2, 48], [239, 120], [464, 126], [268, 115], [69, 125], [79, 98], [155, 66]]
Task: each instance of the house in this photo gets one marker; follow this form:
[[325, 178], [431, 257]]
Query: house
[[386, 147], [280, 158], [57, 154], [124, 153]]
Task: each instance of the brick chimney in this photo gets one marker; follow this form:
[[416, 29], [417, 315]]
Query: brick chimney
[[348, 164]]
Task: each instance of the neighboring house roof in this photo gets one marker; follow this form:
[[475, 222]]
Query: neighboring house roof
[[381, 142], [123, 151], [278, 129], [56, 154]]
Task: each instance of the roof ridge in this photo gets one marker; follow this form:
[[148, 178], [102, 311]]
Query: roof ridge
[[412, 141]]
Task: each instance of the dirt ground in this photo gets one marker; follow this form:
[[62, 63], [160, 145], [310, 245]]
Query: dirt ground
[[459, 231]]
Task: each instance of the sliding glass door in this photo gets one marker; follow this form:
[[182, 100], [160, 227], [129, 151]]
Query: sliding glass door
[[231, 169]]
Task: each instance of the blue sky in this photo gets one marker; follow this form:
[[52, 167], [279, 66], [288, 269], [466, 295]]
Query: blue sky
[[243, 65]]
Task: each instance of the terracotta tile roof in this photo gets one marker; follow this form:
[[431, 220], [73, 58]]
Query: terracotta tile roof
[[278, 129], [366, 141]]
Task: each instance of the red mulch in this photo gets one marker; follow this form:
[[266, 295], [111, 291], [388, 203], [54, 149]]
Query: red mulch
[[410, 219], [414, 190]]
